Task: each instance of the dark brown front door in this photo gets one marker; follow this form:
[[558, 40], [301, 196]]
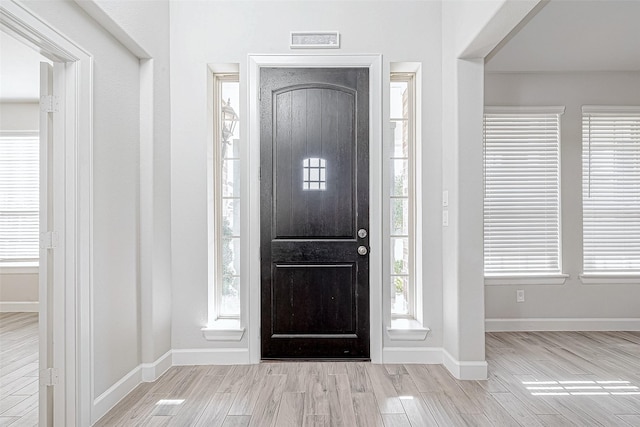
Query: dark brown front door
[[314, 136]]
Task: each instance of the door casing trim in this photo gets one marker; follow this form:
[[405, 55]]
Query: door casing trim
[[250, 187], [72, 282]]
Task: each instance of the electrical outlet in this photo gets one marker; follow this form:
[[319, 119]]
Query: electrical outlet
[[520, 295], [445, 218]]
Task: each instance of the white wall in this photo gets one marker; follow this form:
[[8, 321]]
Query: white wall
[[471, 29], [115, 191], [22, 286], [573, 90], [144, 25], [460, 281], [19, 116], [226, 32], [18, 287]]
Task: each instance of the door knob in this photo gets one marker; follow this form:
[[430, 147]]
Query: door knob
[[362, 250], [362, 233]]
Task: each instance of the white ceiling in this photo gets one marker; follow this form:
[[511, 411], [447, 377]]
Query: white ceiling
[[19, 71], [575, 35]]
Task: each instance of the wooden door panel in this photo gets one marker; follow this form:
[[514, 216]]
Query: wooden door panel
[[314, 123], [314, 198], [330, 287]]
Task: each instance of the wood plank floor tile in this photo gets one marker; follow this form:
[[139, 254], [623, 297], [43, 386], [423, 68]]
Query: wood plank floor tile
[[523, 415], [316, 399], [28, 420], [395, 420], [291, 410], [479, 420], [215, 413], [567, 409], [358, 377], [249, 391], [366, 410], [491, 409], [196, 401], [266, 408], [343, 390], [384, 391], [9, 402], [443, 409], [352, 394], [316, 421], [23, 407], [554, 420], [632, 420], [236, 421], [414, 406], [5, 421]]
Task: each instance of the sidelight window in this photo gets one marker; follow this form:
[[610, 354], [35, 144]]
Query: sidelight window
[[224, 201], [403, 208], [401, 203], [226, 186]]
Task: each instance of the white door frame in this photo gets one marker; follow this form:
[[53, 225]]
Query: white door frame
[[71, 204], [251, 179]]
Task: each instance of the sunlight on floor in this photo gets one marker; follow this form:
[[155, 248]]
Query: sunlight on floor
[[170, 402], [581, 388]]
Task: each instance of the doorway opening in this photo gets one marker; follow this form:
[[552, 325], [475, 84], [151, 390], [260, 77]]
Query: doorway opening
[[20, 334], [64, 382]]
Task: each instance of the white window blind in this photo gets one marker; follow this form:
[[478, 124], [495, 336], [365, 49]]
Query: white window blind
[[611, 189], [19, 197], [522, 191]]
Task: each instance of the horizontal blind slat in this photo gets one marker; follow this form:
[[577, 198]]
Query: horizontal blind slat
[[522, 189], [611, 192], [19, 198]]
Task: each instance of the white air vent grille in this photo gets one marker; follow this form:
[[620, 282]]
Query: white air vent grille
[[315, 40]]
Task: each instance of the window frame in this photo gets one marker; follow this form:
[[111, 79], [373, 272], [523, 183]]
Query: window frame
[[550, 277], [219, 198], [601, 276], [410, 79], [220, 327]]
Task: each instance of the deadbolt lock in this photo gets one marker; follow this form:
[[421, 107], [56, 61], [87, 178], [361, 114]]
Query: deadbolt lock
[[362, 250], [362, 233]]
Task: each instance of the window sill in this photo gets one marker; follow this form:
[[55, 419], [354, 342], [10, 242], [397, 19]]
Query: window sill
[[223, 330], [19, 267], [610, 279], [407, 330], [551, 279]]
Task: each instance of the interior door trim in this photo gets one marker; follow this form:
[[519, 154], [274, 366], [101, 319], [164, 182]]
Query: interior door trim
[[73, 403], [251, 189]]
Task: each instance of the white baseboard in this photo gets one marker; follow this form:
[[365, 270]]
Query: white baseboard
[[423, 355], [19, 307], [211, 356], [153, 371], [550, 324], [107, 400], [465, 370], [146, 372]]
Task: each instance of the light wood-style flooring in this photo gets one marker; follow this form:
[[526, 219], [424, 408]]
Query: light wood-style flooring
[[536, 379], [18, 369]]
